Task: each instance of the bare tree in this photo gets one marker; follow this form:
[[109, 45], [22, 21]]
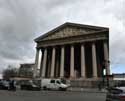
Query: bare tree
[[10, 72]]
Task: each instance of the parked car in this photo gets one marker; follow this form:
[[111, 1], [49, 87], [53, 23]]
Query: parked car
[[115, 94], [29, 85], [12, 85], [4, 84], [53, 84]]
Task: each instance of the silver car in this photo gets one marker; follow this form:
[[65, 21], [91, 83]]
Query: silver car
[[115, 94]]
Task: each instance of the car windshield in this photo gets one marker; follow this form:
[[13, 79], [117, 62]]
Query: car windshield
[[58, 82]]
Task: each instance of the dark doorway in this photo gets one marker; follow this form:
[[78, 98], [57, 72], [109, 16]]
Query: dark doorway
[[77, 60], [67, 61], [88, 60]]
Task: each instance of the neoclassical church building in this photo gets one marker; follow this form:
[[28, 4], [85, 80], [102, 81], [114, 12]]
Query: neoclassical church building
[[73, 51]]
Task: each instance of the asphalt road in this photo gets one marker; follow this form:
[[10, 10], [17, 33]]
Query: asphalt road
[[50, 96]]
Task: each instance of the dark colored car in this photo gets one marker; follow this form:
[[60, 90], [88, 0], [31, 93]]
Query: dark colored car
[[4, 84], [30, 86], [12, 85], [115, 94]]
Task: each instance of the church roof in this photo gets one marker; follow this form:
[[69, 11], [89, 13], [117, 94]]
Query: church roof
[[67, 30]]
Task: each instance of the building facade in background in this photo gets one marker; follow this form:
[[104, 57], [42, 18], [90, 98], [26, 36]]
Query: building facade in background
[[120, 76], [73, 51], [26, 70]]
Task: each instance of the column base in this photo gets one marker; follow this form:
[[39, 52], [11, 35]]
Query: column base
[[71, 77], [61, 77], [52, 77], [83, 78], [95, 78], [42, 77]]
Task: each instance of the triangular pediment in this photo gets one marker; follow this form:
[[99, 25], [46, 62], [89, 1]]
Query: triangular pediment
[[69, 30]]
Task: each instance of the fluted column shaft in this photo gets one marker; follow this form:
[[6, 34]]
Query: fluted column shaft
[[44, 62], [36, 63], [83, 68], [62, 62], [94, 60], [72, 62], [53, 62], [106, 58]]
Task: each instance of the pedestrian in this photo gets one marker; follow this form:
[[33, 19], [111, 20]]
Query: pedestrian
[[99, 87]]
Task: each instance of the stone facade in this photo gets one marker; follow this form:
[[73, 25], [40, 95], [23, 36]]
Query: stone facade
[[73, 51], [26, 70]]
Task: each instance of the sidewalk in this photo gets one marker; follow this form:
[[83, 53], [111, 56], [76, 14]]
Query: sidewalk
[[88, 90]]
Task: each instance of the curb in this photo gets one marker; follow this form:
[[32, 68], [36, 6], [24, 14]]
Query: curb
[[86, 90]]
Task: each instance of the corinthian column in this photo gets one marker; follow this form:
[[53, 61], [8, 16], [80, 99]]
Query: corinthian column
[[94, 61], [106, 58], [44, 62], [83, 62], [62, 62], [53, 62], [36, 63], [72, 62]]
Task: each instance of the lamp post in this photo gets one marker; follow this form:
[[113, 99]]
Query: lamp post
[[103, 78], [107, 63], [106, 77]]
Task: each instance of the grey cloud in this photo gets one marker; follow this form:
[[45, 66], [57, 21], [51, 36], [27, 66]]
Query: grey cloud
[[23, 20], [17, 30]]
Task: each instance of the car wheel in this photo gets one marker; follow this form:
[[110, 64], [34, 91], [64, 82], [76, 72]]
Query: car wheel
[[60, 89], [44, 88]]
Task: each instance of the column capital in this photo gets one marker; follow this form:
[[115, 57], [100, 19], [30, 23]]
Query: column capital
[[83, 43], [93, 42], [37, 48], [105, 41], [45, 47], [54, 46], [41, 49], [62, 46], [72, 44]]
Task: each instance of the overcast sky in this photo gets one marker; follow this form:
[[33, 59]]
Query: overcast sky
[[21, 21]]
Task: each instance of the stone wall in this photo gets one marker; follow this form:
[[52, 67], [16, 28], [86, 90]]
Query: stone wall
[[84, 83]]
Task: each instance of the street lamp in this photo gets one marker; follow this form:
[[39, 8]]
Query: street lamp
[[106, 77], [107, 62], [103, 78]]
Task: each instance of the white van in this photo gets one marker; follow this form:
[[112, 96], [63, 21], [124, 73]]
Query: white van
[[53, 84]]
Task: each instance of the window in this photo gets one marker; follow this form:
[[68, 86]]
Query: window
[[58, 82], [52, 81]]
